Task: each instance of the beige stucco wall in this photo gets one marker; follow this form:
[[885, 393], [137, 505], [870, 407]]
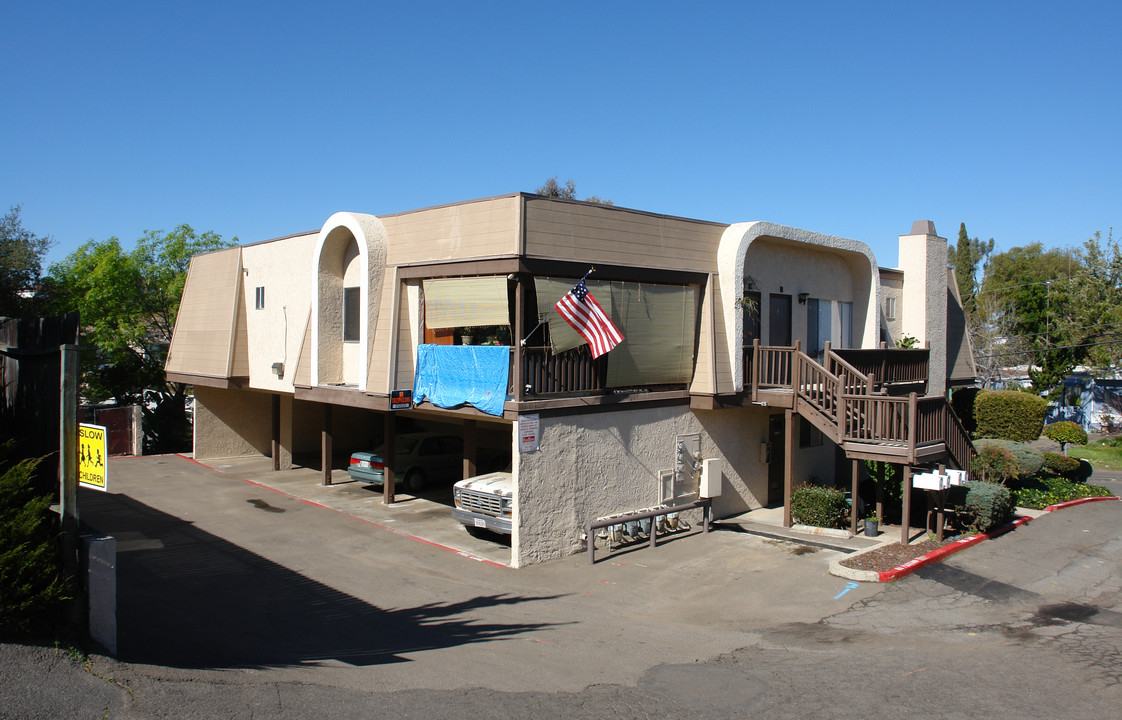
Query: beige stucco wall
[[892, 286], [923, 258], [789, 261], [593, 465], [275, 333], [232, 423]]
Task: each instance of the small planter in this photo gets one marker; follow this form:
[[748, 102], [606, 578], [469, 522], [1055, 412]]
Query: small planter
[[871, 528]]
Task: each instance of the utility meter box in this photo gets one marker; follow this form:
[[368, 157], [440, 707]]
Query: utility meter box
[[710, 478]]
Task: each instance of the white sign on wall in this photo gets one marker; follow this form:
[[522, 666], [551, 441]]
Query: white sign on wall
[[528, 433]]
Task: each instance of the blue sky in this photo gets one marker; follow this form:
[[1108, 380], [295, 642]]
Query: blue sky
[[258, 120]]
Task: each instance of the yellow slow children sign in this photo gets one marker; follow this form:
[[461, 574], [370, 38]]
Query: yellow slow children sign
[[93, 456]]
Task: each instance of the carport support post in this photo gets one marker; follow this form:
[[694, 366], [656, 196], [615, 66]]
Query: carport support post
[[941, 498], [390, 443], [275, 445], [853, 498], [469, 448], [906, 511], [325, 445], [788, 464]]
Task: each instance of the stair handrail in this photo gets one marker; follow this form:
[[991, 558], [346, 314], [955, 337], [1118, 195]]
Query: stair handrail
[[833, 359]]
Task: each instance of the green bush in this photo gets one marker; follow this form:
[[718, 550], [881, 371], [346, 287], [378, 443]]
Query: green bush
[[1065, 432], [819, 506], [962, 402], [1009, 415], [33, 592], [1048, 491], [993, 464], [1028, 459], [981, 506], [1063, 466]]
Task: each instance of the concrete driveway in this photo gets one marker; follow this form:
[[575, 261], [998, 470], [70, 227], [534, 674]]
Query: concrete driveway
[[219, 573]]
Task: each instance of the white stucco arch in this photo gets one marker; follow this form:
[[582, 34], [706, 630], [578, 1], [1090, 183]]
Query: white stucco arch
[[369, 234], [732, 253]]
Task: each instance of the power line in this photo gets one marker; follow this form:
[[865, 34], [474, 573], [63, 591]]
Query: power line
[[1055, 347]]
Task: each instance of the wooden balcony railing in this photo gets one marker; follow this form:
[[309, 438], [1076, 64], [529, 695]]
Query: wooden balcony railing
[[570, 373], [889, 366], [847, 395]]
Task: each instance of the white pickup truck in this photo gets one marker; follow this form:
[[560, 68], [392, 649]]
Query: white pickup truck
[[485, 502]]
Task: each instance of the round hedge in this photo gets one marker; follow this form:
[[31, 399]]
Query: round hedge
[[1065, 432], [1009, 415]]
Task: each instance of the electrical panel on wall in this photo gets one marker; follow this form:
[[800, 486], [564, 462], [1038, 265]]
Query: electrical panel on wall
[[687, 468]]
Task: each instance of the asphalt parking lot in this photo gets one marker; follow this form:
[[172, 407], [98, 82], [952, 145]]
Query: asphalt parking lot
[[239, 602]]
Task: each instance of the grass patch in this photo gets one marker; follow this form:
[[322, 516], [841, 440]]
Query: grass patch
[[1106, 454]]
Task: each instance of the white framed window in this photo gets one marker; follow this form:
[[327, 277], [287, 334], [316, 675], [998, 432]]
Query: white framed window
[[259, 297], [890, 308]]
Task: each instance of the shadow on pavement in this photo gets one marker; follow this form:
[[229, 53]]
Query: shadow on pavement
[[189, 599]]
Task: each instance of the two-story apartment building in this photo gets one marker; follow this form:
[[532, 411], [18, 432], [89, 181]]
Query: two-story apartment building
[[753, 343]]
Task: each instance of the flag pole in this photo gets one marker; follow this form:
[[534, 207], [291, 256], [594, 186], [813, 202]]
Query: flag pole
[[591, 269]]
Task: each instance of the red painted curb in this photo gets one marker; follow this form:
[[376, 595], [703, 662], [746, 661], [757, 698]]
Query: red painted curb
[[395, 531], [938, 554], [935, 555], [1080, 501]]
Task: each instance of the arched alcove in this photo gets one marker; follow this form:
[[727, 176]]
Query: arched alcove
[[350, 259]]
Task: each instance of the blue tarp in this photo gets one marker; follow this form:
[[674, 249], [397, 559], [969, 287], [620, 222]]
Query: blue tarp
[[451, 375]]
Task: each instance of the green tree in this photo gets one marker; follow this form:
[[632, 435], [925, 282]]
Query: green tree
[[968, 255], [128, 302], [21, 262], [1095, 301], [553, 189], [1029, 287]]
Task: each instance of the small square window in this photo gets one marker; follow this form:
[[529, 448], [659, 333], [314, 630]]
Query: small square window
[[890, 308], [259, 298], [351, 297]]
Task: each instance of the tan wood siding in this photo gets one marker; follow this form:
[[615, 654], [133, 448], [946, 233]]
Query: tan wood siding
[[203, 339], [303, 371], [377, 376], [487, 228], [591, 233], [404, 366]]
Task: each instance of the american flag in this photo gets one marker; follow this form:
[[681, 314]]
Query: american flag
[[581, 310]]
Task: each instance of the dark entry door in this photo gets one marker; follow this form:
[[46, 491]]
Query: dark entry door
[[779, 320], [776, 454]]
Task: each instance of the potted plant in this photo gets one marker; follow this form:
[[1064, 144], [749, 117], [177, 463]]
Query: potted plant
[[872, 525]]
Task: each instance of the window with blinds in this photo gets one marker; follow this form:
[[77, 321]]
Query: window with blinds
[[658, 323], [466, 302]]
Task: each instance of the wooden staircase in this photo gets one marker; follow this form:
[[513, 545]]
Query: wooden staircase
[[860, 416]]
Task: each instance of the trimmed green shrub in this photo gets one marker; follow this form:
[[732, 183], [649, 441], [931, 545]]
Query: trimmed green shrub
[[1065, 432], [1028, 459], [1009, 415], [33, 592], [993, 464], [962, 402], [819, 506], [1043, 492], [981, 506], [1062, 466]]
